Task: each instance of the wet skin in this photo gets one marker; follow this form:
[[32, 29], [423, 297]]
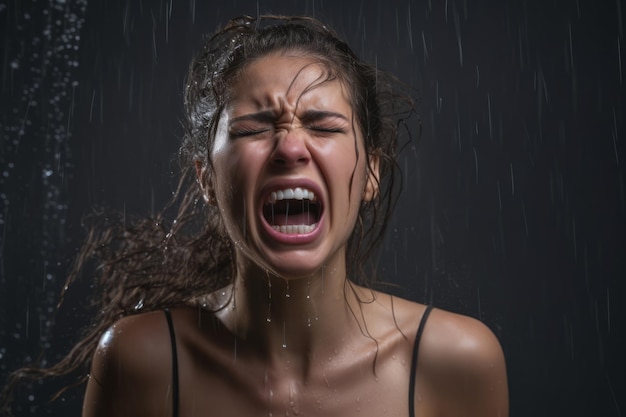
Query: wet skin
[[286, 126], [294, 336]]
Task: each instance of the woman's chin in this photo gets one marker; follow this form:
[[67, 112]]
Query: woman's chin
[[293, 265], [294, 272], [290, 261]]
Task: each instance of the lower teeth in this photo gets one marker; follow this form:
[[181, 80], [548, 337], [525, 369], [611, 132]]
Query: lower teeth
[[299, 229]]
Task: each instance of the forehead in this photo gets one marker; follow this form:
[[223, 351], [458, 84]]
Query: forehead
[[287, 79]]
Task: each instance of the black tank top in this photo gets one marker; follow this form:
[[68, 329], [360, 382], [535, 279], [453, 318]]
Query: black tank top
[[175, 383]]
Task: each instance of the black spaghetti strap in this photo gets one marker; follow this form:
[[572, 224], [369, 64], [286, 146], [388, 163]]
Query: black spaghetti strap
[[418, 336], [170, 325]]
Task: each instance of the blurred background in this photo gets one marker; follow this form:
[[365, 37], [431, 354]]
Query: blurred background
[[513, 207]]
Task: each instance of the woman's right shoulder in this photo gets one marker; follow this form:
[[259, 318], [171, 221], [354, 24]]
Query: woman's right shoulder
[[132, 365], [134, 341]]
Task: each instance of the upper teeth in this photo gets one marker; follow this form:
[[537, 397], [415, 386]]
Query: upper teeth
[[291, 194]]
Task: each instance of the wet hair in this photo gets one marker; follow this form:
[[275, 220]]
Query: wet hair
[[378, 106], [153, 263]]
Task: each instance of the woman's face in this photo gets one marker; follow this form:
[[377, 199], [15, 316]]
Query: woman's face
[[289, 166]]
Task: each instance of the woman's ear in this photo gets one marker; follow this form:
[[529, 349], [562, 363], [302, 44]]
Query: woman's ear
[[205, 184], [372, 186]]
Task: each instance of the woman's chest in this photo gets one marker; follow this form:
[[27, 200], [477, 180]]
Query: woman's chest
[[251, 390]]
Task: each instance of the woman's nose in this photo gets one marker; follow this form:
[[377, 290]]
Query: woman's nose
[[290, 149]]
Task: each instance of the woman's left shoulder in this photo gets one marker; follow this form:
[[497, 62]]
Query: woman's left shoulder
[[460, 364], [461, 340], [464, 364], [448, 337]]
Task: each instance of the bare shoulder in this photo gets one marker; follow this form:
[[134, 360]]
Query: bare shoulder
[[462, 361], [449, 339], [460, 367], [459, 340], [131, 366], [136, 342]]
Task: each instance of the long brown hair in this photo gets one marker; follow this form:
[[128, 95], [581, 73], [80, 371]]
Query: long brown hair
[[183, 252]]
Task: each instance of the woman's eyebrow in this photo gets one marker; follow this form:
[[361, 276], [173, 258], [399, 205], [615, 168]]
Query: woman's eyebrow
[[262, 116], [317, 115]]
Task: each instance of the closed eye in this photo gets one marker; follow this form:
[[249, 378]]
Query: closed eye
[[239, 133], [327, 129], [251, 124], [324, 122]]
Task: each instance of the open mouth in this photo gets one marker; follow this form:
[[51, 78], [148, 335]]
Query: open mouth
[[292, 211]]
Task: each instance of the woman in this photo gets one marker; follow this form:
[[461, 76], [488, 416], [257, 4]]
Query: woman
[[291, 140]]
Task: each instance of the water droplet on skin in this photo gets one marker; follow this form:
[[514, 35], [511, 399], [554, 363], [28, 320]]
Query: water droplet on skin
[[327, 383]]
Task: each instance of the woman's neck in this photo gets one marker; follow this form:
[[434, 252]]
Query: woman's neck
[[298, 319]]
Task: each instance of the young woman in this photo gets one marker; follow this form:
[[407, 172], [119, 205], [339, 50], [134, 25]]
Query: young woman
[[252, 302]]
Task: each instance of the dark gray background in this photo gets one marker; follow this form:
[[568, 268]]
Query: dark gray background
[[513, 207]]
